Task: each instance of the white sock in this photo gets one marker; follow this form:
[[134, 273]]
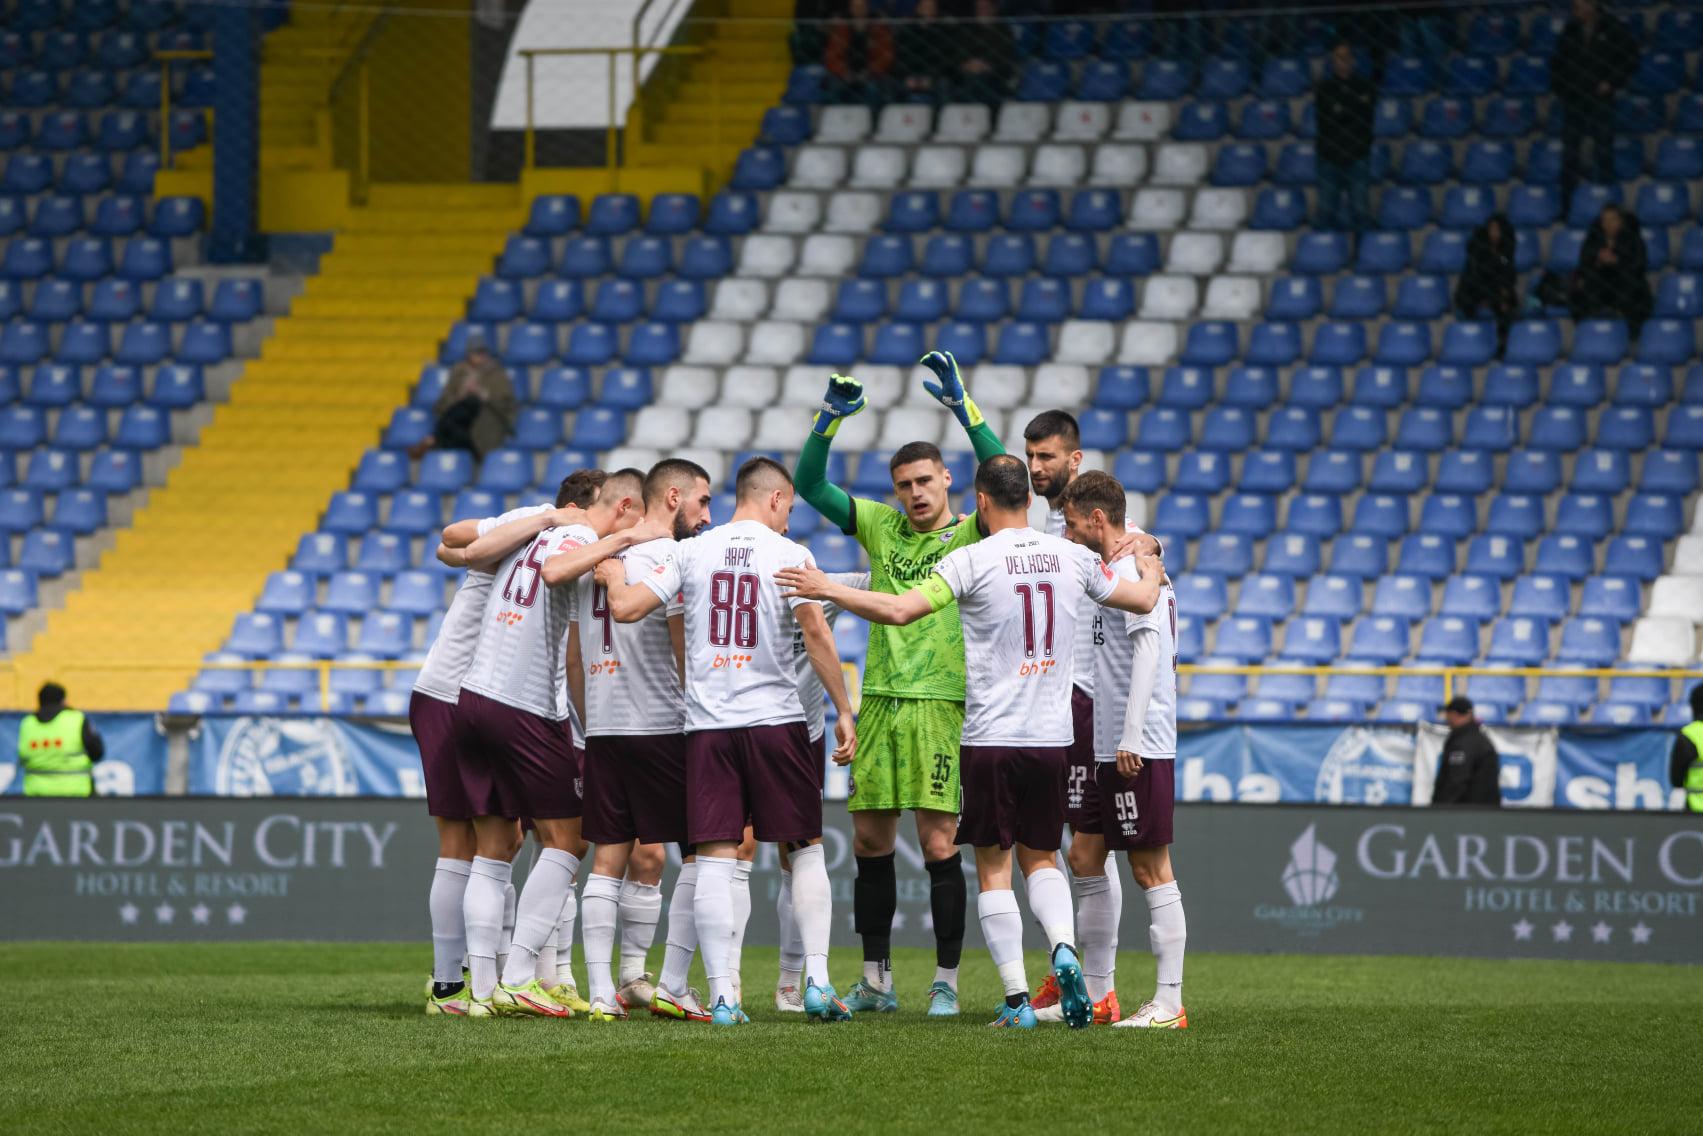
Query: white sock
[[682, 942], [546, 968], [792, 948], [1049, 900], [1002, 927], [565, 940], [713, 904], [539, 910], [641, 910], [1168, 932], [482, 909], [598, 908], [813, 908], [947, 974], [741, 916], [507, 938], [1097, 926], [449, 923]]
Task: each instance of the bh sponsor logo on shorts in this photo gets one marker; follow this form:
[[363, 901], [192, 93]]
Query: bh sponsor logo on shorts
[[1310, 880]]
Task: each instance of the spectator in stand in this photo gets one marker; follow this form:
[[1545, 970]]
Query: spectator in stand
[[1469, 770], [859, 56], [987, 56], [928, 50], [1611, 282], [1489, 282], [1593, 60], [1685, 761], [477, 408], [810, 19], [1344, 101]]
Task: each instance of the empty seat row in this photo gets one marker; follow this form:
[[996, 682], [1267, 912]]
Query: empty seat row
[[119, 215], [117, 300]]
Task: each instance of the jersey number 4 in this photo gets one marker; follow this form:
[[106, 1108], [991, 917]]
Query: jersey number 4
[[733, 609], [1029, 595], [600, 612], [521, 589]]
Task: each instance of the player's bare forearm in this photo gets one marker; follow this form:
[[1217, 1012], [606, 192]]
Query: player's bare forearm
[[576, 671], [811, 480], [628, 603], [877, 607], [489, 550], [824, 656], [460, 534]]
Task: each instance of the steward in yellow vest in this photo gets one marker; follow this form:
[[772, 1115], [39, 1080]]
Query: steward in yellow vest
[[57, 748], [1685, 764]]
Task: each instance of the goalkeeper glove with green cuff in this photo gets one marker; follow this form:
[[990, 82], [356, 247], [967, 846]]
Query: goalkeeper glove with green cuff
[[844, 399], [949, 391]]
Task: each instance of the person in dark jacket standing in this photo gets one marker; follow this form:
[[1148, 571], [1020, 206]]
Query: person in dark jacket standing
[[1613, 279], [1343, 104], [1685, 763], [1490, 283], [58, 747], [1469, 772], [1594, 58]]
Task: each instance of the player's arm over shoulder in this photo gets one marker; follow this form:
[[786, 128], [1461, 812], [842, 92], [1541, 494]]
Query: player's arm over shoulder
[[1113, 590]]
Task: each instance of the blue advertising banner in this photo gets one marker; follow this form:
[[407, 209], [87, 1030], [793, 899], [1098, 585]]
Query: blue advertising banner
[[1296, 764], [304, 757], [1615, 769], [135, 762]]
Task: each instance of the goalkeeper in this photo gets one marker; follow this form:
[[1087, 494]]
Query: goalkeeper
[[913, 684]]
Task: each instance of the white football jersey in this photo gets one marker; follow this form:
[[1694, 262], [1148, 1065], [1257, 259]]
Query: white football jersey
[[740, 666], [632, 684], [450, 653], [1092, 631], [1113, 660], [810, 690], [521, 657], [1022, 596]]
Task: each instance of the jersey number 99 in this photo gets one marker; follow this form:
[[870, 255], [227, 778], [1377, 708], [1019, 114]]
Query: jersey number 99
[[733, 609]]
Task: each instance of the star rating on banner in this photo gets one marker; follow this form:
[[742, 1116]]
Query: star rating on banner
[[1602, 932], [201, 915], [164, 913], [127, 914], [235, 914]]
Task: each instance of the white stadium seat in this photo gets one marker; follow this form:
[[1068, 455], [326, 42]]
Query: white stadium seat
[[904, 424], [714, 461], [883, 385], [767, 255], [1084, 341], [962, 122], [878, 167], [803, 385], [1219, 209], [997, 166], [1180, 163], [1064, 383], [843, 124], [1118, 164], [661, 427], [782, 428], [1058, 164], [1677, 597], [1143, 122], [685, 386], [754, 388], [1169, 298], [1082, 122], [904, 123], [714, 343], [737, 298], [855, 433], [1023, 122], [1663, 642], [802, 299], [793, 212], [722, 427], [776, 342], [635, 457], [1196, 254], [938, 167], [853, 213], [1688, 555], [818, 167], [999, 386], [1260, 254], [1157, 210], [1697, 517], [1148, 344], [1231, 298], [827, 255]]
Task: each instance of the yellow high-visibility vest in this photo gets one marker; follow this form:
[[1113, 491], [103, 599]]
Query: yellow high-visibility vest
[[53, 758]]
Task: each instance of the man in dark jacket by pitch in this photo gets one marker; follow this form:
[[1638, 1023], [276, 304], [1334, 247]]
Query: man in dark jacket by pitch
[[1469, 772], [1343, 103], [1595, 57]]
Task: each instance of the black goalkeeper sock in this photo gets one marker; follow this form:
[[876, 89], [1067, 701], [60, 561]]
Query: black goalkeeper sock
[[445, 989], [875, 897], [948, 898]]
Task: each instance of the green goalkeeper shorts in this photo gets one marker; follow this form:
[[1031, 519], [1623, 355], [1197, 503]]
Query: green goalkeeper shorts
[[907, 754]]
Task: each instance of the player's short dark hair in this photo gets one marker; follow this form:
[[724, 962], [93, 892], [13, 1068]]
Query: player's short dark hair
[[672, 473], [1053, 424], [916, 452], [52, 694], [1095, 490], [1697, 701], [628, 482], [580, 488], [760, 475], [1005, 480]]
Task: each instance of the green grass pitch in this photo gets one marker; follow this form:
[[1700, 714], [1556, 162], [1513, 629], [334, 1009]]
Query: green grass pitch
[[307, 1038]]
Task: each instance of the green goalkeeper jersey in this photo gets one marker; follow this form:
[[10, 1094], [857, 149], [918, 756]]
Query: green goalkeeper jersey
[[926, 658]]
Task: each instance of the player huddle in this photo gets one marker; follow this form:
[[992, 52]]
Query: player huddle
[[694, 665]]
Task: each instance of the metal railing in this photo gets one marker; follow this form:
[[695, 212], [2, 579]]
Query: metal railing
[[1450, 674], [612, 146]]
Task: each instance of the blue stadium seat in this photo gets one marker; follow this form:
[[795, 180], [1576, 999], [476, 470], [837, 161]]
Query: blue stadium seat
[[1567, 555], [553, 215], [1321, 254], [591, 344], [1297, 165], [80, 428], [646, 258], [1252, 388], [1629, 690], [1043, 300], [1021, 344], [886, 256], [557, 301], [705, 258], [1425, 554], [1315, 387], [1589, 642], [582, 258], [1515, 515], [1333, 597], [951, 255], [1358, 428], [1139, 471], [1406, 598], [1541, 597], [1359, 297], [1074, 254], [320, 634], [1294, 428], [1384, 387], [679, 301], [1673, 472], [616, 301], [1316, 514], [255, 635], [671, 214], [759, 168], [1182, 513], [1338, 345], [1361, 556], [50, 470], [613, 214], [351, 593], [1585, 514], [1227, 430], [914, 211], [415, 594], [385, 553], [1385, 254], [413, 512], [114, 471], [1251, 515], [1633, 557], [1654, 515], [320, 554], [1379, 640], [1395, 471], [598, 428], [496, 300]]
